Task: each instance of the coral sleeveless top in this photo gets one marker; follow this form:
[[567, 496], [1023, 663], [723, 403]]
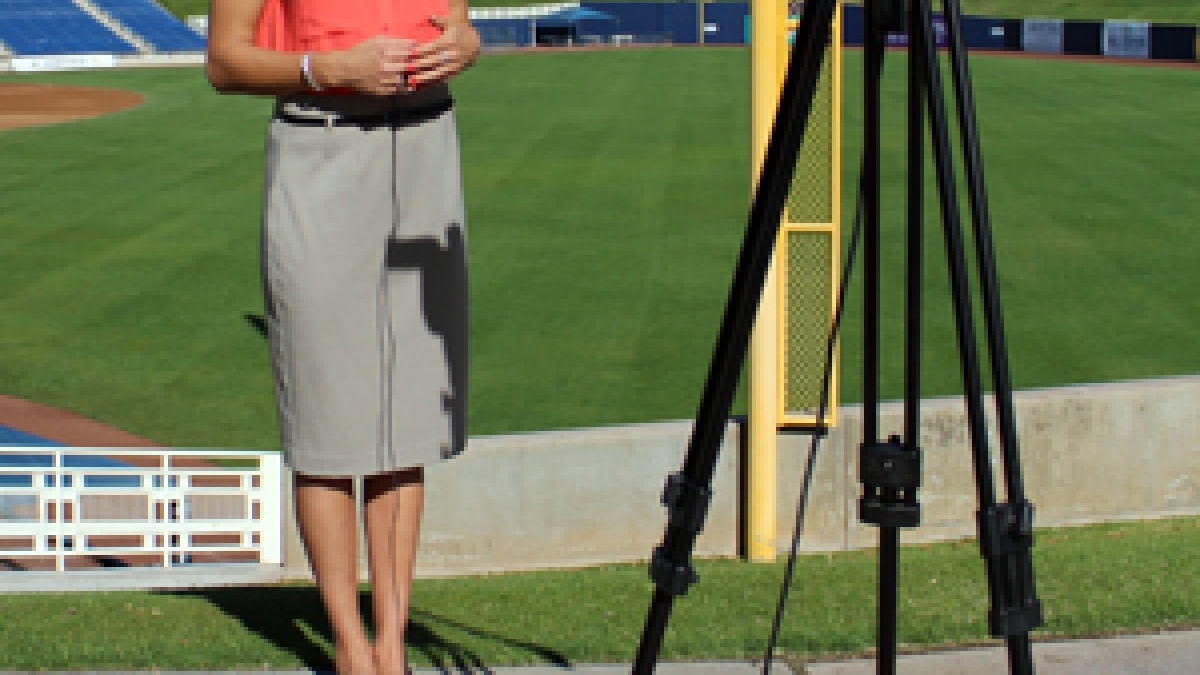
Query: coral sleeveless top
[[320, 25]]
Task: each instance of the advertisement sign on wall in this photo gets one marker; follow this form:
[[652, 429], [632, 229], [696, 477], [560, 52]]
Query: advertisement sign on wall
[[1042, 35], [64, 62], [1127, 39]]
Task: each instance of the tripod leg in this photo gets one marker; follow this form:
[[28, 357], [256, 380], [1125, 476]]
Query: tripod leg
[[915, 243], [1017, 575], [912, 300], [889, 471], [687, 493], [991, 517], [875, 49], [981, 220]]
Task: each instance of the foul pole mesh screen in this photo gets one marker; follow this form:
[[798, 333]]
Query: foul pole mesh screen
[[809, 251]]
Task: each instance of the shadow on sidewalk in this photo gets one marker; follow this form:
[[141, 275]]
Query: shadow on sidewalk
[[293, 620]]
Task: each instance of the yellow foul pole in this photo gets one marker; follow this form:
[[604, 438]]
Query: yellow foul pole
[[767, 41]]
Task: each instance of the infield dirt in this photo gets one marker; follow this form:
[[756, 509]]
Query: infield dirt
[[30, 105]]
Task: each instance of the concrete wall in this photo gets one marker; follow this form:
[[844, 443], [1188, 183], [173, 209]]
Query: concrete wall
[[1104, 452], [555, 499], [1093, 453]]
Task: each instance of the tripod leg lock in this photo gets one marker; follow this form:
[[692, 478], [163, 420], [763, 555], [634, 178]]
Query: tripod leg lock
[[669, 576], [1005, 540], [891, 475], [1009, 622], [687, 504], [1006, 530]]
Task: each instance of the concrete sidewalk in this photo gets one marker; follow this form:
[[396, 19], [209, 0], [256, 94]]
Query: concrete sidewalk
[[1174, 653]]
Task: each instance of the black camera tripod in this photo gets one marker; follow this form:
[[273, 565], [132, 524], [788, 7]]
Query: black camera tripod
[[889, 469]]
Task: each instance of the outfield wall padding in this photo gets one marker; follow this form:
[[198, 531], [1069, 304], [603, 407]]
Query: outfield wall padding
[[1173, 43], [677, 21], [503, 32], [979, 32], [1012, 34], [1043, 36], [1083, 38], [725, 23]]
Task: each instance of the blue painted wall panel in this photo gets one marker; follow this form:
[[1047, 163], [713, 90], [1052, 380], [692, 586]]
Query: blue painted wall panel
[[675, 20], [633, 18], [682, 23], [853, 21], [727, 21], [503, 32], [978, 32]]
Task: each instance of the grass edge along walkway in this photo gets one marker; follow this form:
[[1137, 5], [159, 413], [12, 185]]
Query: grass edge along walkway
[[1094, 580]]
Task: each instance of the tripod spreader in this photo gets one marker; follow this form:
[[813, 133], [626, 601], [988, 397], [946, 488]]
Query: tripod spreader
[[1005, 539], [890, 474], [687, 505]]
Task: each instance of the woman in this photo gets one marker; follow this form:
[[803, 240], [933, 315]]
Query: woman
[[364, 273]]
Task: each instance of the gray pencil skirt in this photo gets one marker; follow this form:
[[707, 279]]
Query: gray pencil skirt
[[365, 277]]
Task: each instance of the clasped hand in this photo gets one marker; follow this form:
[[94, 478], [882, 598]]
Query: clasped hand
[[385, 65]]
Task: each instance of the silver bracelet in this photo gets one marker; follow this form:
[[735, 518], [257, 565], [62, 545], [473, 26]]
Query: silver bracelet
[[306, 69]]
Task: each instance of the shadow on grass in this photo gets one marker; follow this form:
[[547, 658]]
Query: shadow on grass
[[294, 621], [288, 618], [423, 639]]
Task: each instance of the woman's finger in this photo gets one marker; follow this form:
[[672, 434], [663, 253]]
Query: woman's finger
[[442, 43], [435, 74], [434, 60]]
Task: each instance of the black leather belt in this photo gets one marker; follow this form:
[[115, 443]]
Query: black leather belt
[[399, 117]]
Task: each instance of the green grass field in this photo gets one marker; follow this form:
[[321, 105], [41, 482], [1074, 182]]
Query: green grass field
[[607, 194], [1143, 576], [1149, 10]]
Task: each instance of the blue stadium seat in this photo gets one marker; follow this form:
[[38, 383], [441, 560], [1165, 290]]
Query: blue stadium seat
[[155, 25], [51, 27]]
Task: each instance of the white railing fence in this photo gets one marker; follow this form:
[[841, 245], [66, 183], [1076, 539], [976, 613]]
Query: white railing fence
[[98, 507]]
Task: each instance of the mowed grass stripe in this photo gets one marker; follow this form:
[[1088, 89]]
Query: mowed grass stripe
[[139, 254], [613, 198], [607, 196], [1089, 197]]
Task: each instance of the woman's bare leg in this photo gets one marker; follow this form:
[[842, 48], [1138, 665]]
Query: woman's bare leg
[[393, 523], [328, 527]]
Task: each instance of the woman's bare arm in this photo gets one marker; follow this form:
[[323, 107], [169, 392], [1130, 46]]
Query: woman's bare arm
[[236, 65]]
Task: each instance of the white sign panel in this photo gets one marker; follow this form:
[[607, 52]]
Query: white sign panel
[[1127, 39], [65, 62], [1042, 35]]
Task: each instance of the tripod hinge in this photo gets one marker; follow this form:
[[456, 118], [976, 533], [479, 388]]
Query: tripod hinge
[[670, 577], [687, 504], [890, 474]]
